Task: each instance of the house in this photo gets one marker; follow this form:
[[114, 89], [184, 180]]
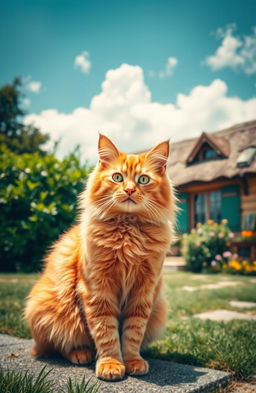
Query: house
[[215, 178]]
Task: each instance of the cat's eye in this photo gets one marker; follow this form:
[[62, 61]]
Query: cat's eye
[[143, 179], [118, 177]]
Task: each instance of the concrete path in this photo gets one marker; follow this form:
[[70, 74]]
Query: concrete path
[[164, 377], [173, 263]]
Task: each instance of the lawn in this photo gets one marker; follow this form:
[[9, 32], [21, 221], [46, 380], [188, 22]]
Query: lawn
[[227, 346]]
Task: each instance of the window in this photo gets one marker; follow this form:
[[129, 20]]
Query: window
[[215, 206], [207, 206], [209, 154], [246, 157], [205, 153], [199, 208]]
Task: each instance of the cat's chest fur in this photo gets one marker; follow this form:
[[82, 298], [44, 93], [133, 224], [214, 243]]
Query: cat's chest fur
[[125, 239], [126, 247]]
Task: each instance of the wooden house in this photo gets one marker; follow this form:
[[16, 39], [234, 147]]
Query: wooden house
[[215, 178]]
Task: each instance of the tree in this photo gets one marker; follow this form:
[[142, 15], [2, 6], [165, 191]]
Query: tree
[[17, 136]]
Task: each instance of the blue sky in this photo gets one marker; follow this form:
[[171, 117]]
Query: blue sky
[[41, 39]]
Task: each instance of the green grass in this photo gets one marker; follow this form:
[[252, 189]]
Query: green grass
[[229, 346], [223, 345], [24, 382]]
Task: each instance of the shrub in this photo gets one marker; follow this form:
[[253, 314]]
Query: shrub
[[206, 243], [37, 203]]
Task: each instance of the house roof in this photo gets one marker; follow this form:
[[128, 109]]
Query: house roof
[[219, 144], [230, 142]]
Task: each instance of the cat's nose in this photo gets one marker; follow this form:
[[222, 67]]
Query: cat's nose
[[129, 191]]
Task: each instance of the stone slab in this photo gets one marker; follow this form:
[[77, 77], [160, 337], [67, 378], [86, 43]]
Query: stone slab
[[190, 289], [164, 377], [224, 315], [218, 285], [236, 303]]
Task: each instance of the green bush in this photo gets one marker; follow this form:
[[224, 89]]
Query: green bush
[[204, 244], [37, 203]]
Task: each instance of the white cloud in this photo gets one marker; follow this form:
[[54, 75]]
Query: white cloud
[[83, 62], [34, 86], [234, 52], [168, 69], [124, 111], [26, 102]]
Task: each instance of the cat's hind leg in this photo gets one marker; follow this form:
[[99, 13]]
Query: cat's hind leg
[[79, 355], [42, 348]]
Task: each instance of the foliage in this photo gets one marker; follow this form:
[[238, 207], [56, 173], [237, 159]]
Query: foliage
[[204, 243], [37, 203], [13, 382], [24, 382], [83, 387], [14, 134]]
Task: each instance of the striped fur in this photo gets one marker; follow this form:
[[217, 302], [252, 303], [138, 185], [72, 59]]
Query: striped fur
[[100, 294]]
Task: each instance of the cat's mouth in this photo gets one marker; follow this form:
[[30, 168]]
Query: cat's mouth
[[129, 200]]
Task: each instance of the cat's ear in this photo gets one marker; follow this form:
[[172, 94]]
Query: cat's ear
[[107, 150], [158, 156]]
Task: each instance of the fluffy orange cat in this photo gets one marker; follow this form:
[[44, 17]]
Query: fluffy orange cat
[[100, 293]]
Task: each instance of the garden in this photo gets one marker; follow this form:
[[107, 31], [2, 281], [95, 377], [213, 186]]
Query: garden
[[38, 194]]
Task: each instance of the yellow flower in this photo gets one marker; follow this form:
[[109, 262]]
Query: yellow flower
[[235, 264], [224, 221], [248, 268], [210, 221]]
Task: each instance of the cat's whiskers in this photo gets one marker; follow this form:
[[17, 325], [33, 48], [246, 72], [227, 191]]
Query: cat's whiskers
[[154, 211]]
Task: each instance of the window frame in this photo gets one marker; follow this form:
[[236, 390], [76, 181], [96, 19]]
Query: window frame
[[207, 204]]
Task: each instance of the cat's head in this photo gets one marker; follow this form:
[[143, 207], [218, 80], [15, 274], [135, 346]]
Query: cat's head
[[131, 183]]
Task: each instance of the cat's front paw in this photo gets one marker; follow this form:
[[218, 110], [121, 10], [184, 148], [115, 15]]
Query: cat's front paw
[[110, 369], [137, 366]]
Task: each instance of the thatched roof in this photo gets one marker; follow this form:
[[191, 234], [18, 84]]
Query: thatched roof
[[229, 142]]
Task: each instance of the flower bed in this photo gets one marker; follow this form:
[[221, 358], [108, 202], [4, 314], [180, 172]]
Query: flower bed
[[208, 249]]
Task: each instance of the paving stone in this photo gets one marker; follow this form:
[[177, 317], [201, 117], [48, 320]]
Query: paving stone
[[164, 377], [218, 285], [236, 303], [190, 289], [221, 284], [224, 315]]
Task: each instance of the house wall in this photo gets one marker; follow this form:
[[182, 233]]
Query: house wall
[[230, 205], [248, 202]]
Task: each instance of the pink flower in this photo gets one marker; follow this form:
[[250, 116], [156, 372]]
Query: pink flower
[[213, 263], [200, 230], [197, 244], [218, 257], [212, 234], [231, 235], [220, 235], [227, 254], [235, 256]]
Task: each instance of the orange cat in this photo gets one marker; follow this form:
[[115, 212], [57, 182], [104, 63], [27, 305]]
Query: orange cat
[[101, 288]]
